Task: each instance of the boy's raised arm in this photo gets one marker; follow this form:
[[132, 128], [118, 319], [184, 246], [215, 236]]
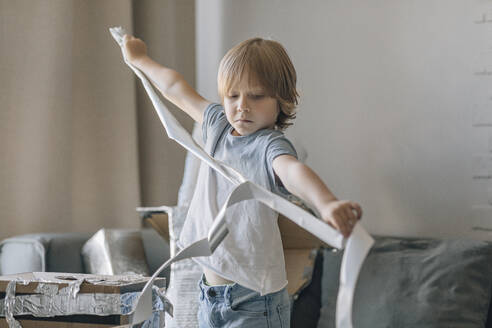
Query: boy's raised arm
[[170, 83], [302, 181]]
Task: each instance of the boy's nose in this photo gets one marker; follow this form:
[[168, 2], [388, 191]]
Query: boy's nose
[[243, 106]]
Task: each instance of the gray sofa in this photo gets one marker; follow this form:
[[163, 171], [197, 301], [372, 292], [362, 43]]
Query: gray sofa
[[404, 282]]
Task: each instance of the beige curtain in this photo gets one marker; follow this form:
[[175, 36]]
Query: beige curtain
[[79, 147], [168, 28]]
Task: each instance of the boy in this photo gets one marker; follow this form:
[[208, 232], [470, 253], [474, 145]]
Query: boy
[[244, 281]]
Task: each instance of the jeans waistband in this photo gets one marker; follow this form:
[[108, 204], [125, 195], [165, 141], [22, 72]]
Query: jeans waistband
[[231, 294]]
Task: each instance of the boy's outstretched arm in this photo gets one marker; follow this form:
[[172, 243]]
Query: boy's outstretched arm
[[303, 182], [170, 83]]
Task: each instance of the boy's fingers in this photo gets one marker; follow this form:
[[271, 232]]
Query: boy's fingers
[[128, 37], [348, 221], [358, 209], [336, 224], [341, 223], [344, 225], [352, 219]]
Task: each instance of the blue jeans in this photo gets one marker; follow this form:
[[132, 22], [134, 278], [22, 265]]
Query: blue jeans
[[237, 306], [156, 320]]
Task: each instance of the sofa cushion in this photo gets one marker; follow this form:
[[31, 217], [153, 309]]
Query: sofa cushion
[[56, 252], [415, 283]]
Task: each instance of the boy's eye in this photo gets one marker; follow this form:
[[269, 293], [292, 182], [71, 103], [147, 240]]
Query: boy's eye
[[258, 96]]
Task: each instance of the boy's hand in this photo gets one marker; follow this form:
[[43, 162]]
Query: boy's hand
[[133, 48], [340, 215]]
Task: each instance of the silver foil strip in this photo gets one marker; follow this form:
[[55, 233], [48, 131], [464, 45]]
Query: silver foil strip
[[63, 303], [9, 305], [133, 278], [51, 289], [74, 287], [46, 289], [102, 280]]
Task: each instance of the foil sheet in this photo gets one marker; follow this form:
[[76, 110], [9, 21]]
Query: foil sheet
[[115, 252]]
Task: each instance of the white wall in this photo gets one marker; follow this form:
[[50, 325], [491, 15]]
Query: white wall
[[396, 99]]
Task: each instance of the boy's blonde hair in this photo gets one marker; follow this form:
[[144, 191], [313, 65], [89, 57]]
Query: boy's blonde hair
[[267, 63]]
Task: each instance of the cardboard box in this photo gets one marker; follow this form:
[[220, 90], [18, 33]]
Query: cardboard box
[[93, 288], [299, 252], [159, 221]]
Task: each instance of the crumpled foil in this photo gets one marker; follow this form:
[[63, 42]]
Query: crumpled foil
[[115, 252]]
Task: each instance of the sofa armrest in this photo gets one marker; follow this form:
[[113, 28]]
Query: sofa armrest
[[55, 252]]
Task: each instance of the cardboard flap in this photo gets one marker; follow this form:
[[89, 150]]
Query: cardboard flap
[[159, 222], [295, 237], [299, 264]]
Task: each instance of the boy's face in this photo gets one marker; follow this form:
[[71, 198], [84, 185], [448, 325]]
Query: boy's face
[[248, 109]]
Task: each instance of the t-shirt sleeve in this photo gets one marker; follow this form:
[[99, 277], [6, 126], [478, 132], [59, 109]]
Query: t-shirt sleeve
[[211, 117], [278, 146]]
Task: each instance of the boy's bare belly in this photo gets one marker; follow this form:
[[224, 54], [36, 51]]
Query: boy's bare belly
[[214, 279]]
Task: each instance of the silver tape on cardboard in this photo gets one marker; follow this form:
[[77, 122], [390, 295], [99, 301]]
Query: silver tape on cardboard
[[63, 304], [48, 300], [9, 304]]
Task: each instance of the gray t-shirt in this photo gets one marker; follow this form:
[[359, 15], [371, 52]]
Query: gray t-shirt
[[252, 253], [245, 153]]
